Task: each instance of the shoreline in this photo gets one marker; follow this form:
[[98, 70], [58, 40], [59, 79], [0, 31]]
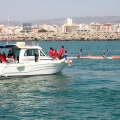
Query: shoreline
[[84, 36]]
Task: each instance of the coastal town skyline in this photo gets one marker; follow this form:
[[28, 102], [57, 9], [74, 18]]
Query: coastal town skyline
[[68, 31], [25, 10]]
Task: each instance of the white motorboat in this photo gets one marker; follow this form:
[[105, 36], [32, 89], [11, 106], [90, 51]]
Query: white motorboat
[[29, 60]]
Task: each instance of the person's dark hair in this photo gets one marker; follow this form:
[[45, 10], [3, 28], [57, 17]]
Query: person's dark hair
[[3, 53], [9, 51]]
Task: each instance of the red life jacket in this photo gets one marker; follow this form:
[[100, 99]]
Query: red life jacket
[[57, 54], [3, 58], [61, 51], [50, 53]]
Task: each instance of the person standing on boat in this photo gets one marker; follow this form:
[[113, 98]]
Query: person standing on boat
[[3, 58], [0, 58], [17, 54], [61, 51], [50, 52], [10, 55]]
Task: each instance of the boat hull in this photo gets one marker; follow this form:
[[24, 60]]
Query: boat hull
[[28, 69], [115, 57], [101, 57], [95, 57]]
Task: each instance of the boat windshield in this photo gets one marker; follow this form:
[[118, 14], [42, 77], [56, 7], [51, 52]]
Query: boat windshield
[[31, 52]]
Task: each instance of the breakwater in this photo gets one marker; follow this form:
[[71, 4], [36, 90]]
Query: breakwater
[[52, 36]]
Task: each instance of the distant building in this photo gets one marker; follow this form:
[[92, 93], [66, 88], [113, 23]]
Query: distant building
[[3, 31], [35, 29], [95, 27], [0, 29], [48, 27], [69, 26], [72, 28], [116, 27], [63, 28], [55, 28], [27, 27], [84, 28], [107, 27], [18, 29], [59, 29], [69, 21]]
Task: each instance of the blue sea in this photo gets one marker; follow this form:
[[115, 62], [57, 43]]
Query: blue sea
[[87, 90]]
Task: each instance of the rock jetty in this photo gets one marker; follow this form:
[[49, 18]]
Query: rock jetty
[[52, 36]]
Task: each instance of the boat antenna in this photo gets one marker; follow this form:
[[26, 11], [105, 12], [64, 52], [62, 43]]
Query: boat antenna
[[8, 30]]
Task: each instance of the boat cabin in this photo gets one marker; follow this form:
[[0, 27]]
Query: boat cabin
[[21, 53]]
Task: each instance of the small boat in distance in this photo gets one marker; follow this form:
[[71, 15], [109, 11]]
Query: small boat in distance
[[117, 57], [28, 60], [101, 57]]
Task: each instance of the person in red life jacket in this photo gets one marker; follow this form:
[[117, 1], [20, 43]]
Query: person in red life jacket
[[56, 54], [78, 55], [51, 52], [0, 58], [3, 58], [61, 51]]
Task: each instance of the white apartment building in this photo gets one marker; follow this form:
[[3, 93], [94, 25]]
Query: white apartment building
[[69, 22], [116, 27]]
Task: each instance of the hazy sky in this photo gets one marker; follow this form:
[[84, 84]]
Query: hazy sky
[[27, 10]]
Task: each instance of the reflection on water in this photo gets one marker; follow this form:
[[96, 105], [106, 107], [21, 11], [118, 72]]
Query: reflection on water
[[34, 82], [24, 95]]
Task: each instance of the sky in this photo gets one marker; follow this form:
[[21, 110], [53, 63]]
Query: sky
[[28, 10]]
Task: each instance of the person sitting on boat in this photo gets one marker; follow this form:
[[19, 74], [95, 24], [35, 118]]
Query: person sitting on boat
[[3, 58], [78, 55], [65, 54], [51, 52], [104, 55], [56, 54], [10, 55], [61, 51], [0, 58]]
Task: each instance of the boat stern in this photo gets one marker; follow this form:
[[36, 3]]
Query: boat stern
[[2, 66]]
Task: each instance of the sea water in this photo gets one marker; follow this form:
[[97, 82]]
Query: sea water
[[86, 90]]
